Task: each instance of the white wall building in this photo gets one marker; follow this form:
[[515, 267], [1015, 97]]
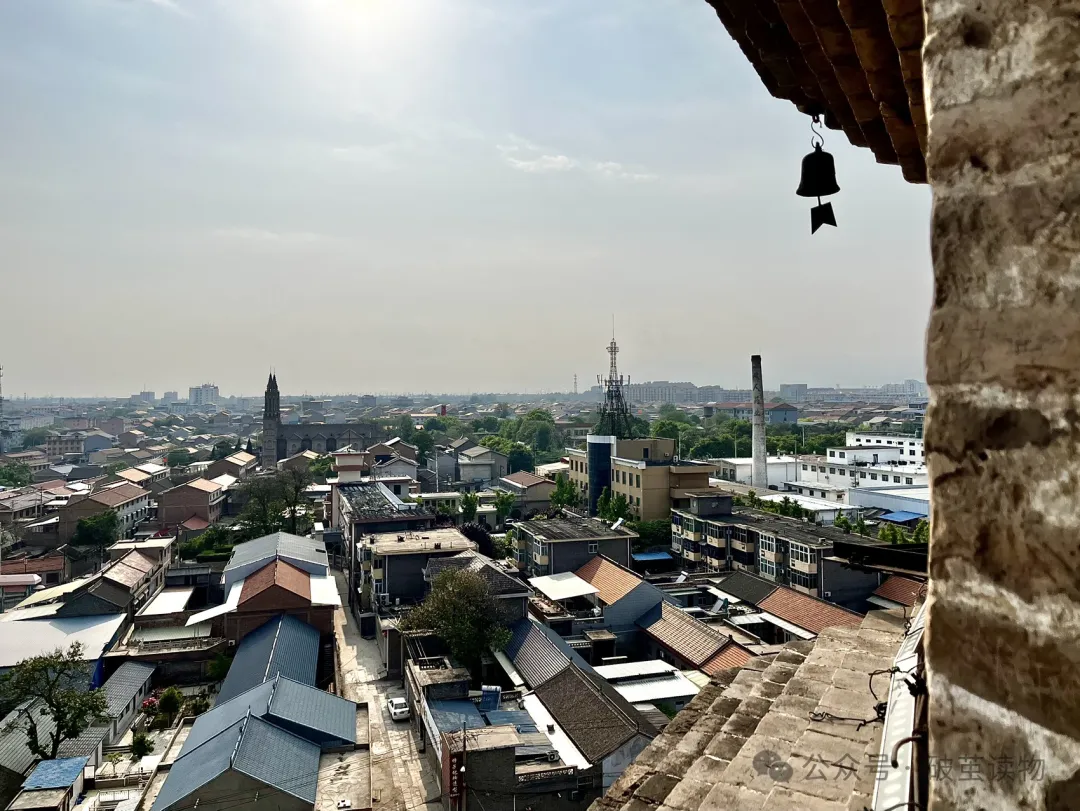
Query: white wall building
[[825, 512], [205, 394], [913, 446], [779, 469], [852, 472]]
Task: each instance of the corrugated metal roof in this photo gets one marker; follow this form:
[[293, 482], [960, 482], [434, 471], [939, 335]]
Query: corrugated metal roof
[[279, 543], [450, 714], [192, 771], [86, 745], [59, 773], [283, 645], [321, 712], [278, 758], [124, 685], [657, 688], [224, 714]]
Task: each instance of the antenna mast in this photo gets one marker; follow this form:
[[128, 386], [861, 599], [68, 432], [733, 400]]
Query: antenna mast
[[615, 419]]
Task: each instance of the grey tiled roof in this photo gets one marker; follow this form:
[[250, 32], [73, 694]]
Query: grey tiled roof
[[279, 759], [86, 744], [746, 587], [14, 755], [534, 655], [499, 582], [124, 685], [282, 645]]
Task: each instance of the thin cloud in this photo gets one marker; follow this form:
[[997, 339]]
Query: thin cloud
[[525, 156], [265, 236]]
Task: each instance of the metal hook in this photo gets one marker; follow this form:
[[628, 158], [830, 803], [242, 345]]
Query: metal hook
[[816, 140]]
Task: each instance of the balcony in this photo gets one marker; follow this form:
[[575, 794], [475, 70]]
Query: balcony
[[775, 557], [808, 568], [719, 543], [693, 557], [540, 560]]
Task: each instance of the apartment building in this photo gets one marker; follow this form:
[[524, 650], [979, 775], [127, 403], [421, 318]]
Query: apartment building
[[206, 394], [35, 460], [775, 413], [646, 472], [861, 466], [558, 545], [130, 503], [712, 536], [81, 443], [912, 445]]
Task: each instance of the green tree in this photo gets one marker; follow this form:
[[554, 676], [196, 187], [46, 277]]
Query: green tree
[[921, 533], [565, 494], [861, 528], [652, 533], [469, 504], [15, 474], [292, 483], [405, 427], [462, 612], [619, 508], [178, 458], [435, 425], [170, 702], [57, 680], [520, 458], [115, 467], [141, 745], [34, 437], [504, 503], [218, 668], [487, 425], [425, 444], [222, 448], [842, 523], [262, 514], [502, 411], [603, 503], [322, 468], [97, 531]]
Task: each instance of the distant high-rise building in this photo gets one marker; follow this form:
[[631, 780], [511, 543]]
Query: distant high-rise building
[[206, 394], [793, 392], [148, 397], [170, 397]]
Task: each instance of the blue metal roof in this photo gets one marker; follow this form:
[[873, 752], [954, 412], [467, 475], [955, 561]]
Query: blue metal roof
[[282, 645], [645, 557], [192, 771], [314, 714], [901, 517], [450, 714], [279, 759], [225, 714], [59, 773]]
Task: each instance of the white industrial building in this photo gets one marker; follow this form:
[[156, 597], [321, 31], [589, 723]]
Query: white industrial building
[[912, 446], [779, 469], [825, 511], [895, 499]]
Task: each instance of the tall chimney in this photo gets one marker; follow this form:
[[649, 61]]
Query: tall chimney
[[759, 474]]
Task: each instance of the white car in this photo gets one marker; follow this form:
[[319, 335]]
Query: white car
[[399, 708]]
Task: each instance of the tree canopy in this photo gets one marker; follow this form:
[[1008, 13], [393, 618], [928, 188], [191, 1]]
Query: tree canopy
[[565, 494], [33, 437], [178, 458], [15, 474], [462, 612], [60, 680], [469, 504], [97, 531], [222, 448]]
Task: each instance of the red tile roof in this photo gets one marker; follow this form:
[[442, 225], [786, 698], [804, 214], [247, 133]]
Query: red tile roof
[[195, 523], [609, 579], [682, 634], [278, 573], [727, 658], [807, 612], [525, 479], [121, 494], [901, 590]]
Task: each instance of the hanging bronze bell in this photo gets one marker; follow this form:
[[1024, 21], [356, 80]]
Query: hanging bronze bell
[[818, 175]]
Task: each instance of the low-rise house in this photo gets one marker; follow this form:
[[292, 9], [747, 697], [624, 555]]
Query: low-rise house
[[27, 633], [132, 438], [53, 785], [564, 544], [398, 562], [240, 464], [35, 460], [299, 461], [195, 499], [479, 467], [51, 567], [282, 645], [532, 493]]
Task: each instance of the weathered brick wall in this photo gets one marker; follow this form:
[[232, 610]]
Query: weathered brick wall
[[1003, 434]]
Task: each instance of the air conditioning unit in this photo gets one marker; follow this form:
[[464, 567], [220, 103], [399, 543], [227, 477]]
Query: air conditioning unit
[[828, 594], [553, 756]]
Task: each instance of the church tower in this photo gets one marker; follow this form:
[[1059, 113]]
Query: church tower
[[271, 423]]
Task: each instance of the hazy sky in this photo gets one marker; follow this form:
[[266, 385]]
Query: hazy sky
[[427, 195]]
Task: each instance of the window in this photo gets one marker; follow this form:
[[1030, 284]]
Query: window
[[802, 579], [862, 474], [397, 489], [767, 567], [804, 467], [637, 480], [841, 454], [909, 480], [832, 469], [911, 453], [767, 544], [802, 554], [873, 476], [638, 500], [832, 453], [594, 547], [644, 453], [896, 479]]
